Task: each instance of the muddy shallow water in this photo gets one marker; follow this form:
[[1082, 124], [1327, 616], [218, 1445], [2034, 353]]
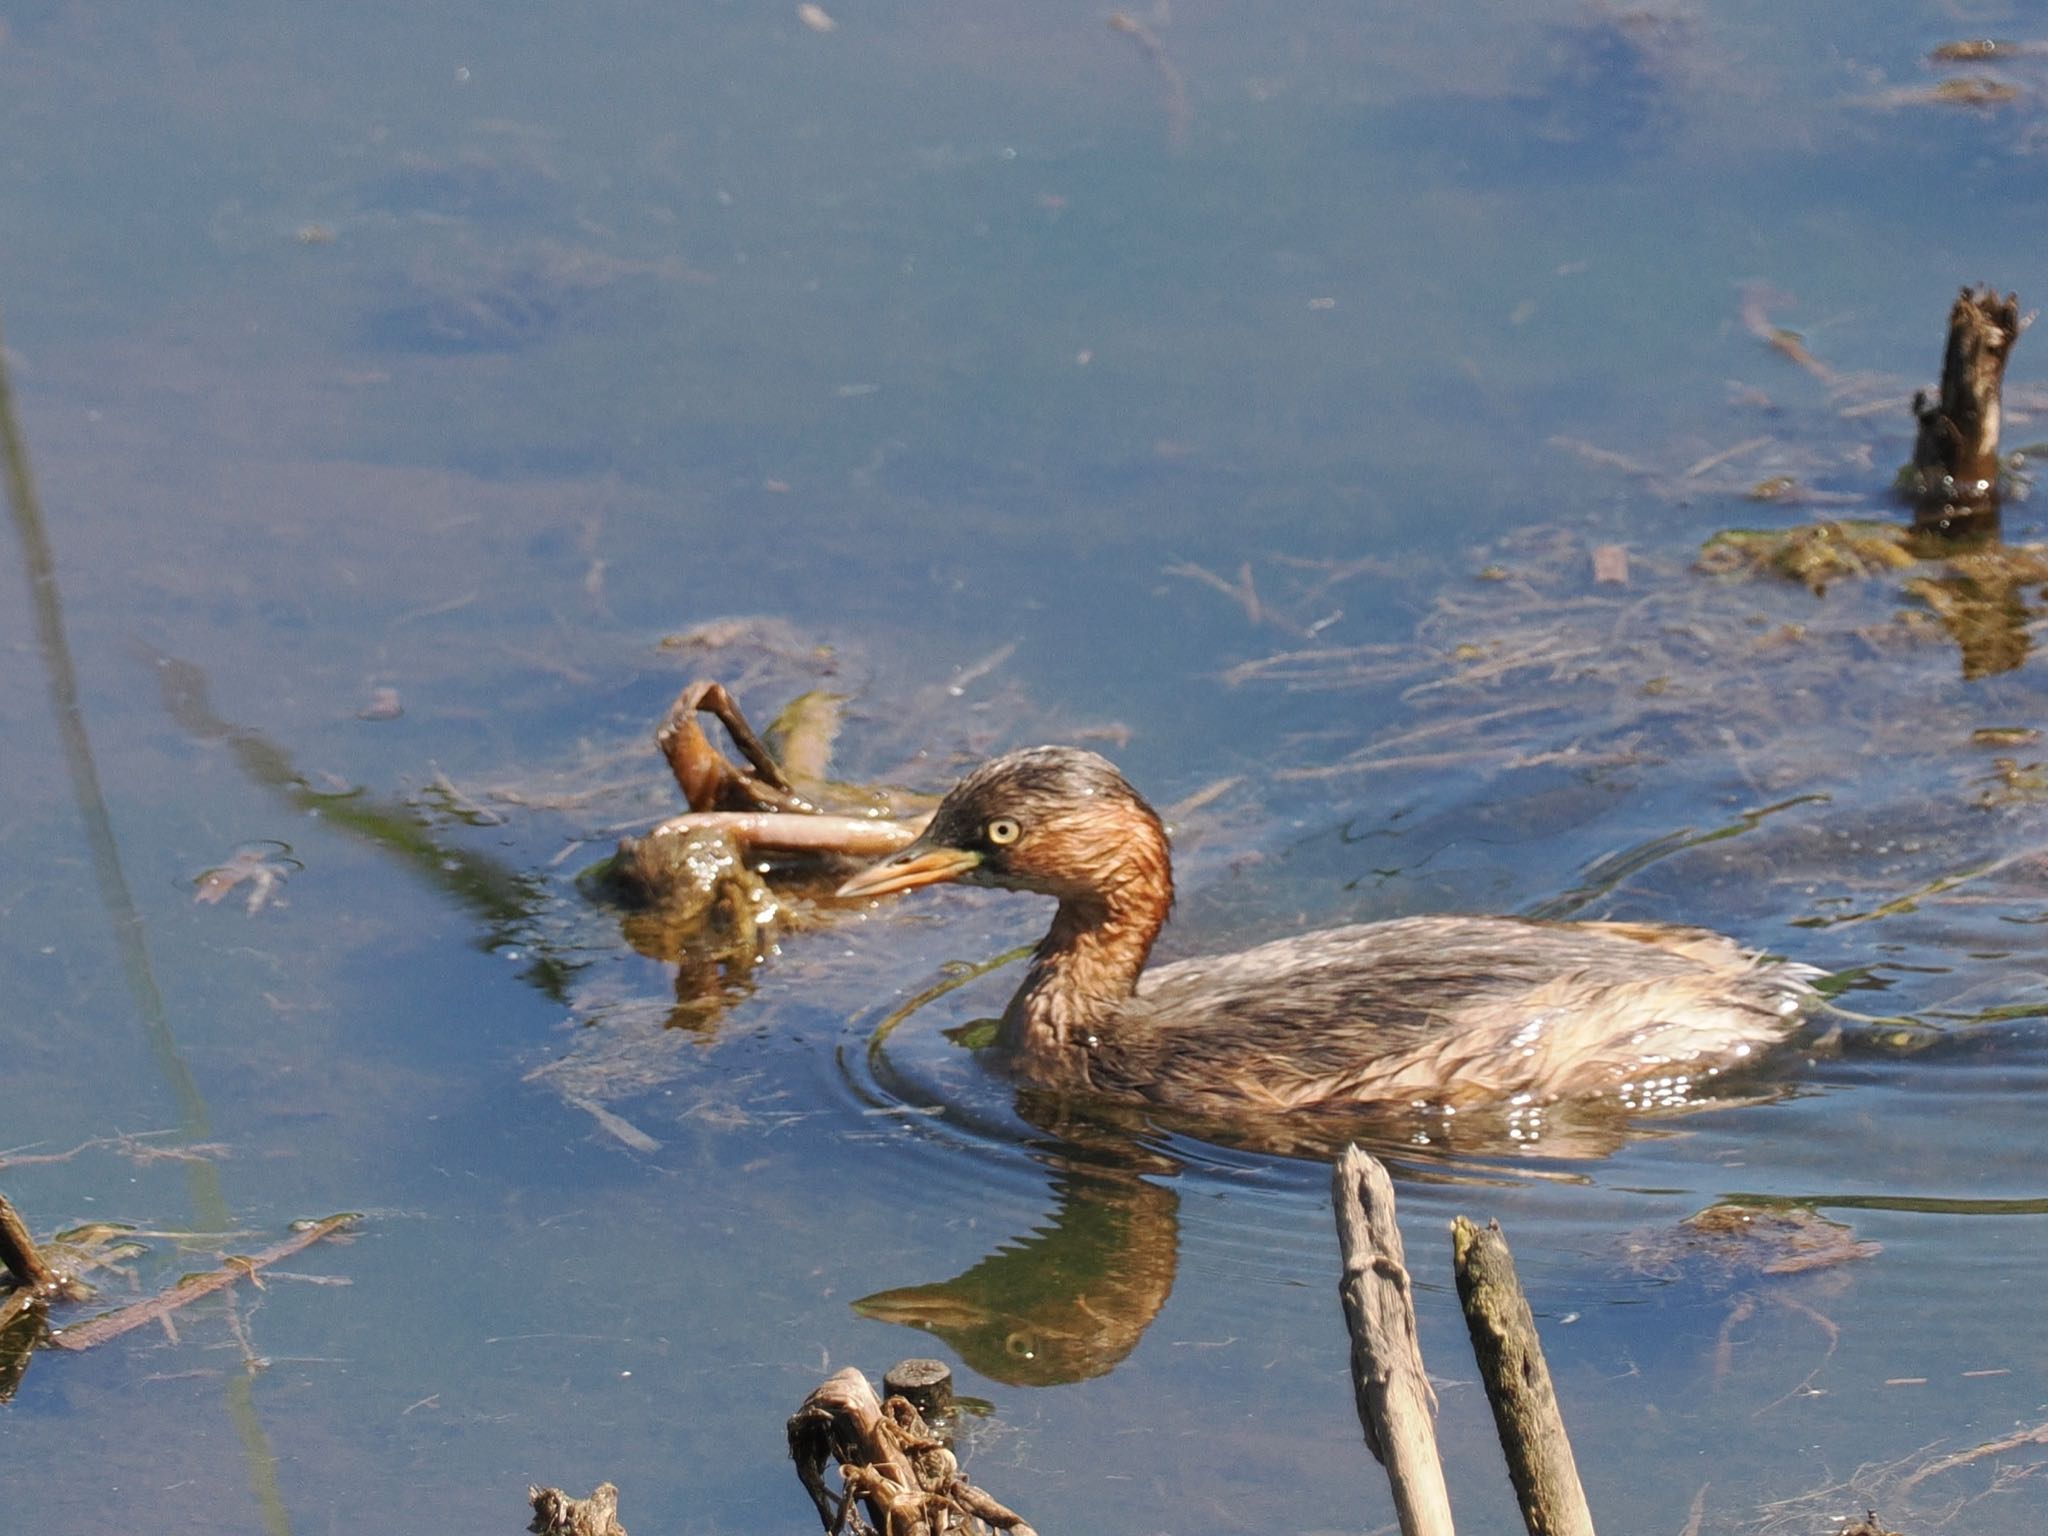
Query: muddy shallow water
[[397, 383]]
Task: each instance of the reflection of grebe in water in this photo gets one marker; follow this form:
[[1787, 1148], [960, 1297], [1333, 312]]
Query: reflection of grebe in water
[[1448, 1010], [1071, 1298]]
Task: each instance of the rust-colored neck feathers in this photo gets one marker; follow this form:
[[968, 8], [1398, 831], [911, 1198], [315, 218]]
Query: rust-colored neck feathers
[[1111, 910]]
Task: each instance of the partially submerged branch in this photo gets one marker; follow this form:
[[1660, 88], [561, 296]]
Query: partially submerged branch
[[863, 837], [681, 865], [1178, 113], [2036, 1434], [19, 1255], [111, 1325]]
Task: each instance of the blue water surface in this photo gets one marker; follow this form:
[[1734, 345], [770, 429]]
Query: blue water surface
[[1246, 396]]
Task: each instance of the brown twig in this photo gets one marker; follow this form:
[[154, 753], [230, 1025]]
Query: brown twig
[[973, 673], [1178, 113], [1740, 1311], [2038, 1435], [136, 1148], [1697, 1513], [1604, 458], [1828, 1327], [1323, 665], [1716, 460], [1244, 592], [111, 1325], [1758, 299]]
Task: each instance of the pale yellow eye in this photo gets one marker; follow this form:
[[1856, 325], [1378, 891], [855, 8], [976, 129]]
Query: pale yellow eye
[[1004, 831]]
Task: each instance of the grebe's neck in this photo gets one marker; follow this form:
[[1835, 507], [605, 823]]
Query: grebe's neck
[[1087, 967]]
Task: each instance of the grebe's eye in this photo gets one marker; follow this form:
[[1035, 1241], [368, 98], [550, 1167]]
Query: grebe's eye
[[1004, 831]]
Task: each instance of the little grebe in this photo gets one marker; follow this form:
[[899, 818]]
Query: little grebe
[[1447, 1010]]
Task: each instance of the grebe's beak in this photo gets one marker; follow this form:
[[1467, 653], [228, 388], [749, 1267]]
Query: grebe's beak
[[922, 863]]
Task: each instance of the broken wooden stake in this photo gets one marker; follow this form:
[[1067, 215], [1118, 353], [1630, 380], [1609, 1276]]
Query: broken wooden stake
[[1511, 1364], [1955, 456], [1396, 1407], [927, 1385]]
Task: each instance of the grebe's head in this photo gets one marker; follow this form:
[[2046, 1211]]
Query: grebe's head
[[1051, 819]]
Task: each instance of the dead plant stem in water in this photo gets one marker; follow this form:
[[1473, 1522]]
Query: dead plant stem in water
[[123, 917], [112, 1325]]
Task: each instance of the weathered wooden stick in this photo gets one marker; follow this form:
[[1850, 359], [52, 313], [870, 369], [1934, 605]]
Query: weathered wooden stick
[[796, 832], [111, 1325], [1517, 1381], [1396, 1406], [1956, 451], [19, 1255]]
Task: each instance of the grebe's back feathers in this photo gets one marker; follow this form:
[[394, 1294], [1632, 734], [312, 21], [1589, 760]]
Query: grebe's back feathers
[[1448, 1010]]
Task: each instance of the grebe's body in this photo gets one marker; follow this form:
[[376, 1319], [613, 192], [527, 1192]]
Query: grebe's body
[[1443, 1010]]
